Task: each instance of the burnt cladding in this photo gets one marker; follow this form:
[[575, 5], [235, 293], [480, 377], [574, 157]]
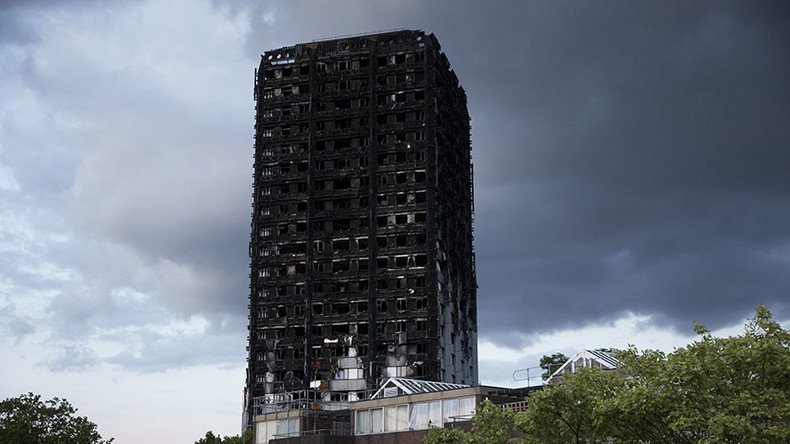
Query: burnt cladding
[[362, 215]]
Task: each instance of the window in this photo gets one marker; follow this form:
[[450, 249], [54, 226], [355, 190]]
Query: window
[[362, 422], [396, 418], [466, 406], [449, 410], [369, 421], [377, 420], [418, 419], [287, 427], [435, 413]]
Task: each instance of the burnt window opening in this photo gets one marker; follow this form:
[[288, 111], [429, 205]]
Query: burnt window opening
[[340, 266], [339, 287], [340, 308], [382, 262], [340, 329], [342, 204], [318, 308], [340, 245], [401, 304], [362, 265], [362, 244], [363, 285]]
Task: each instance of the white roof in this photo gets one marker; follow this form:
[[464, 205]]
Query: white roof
[[604, 359], [413, 386]]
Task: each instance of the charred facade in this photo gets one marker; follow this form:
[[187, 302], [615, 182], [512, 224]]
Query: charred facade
[[362, 261]]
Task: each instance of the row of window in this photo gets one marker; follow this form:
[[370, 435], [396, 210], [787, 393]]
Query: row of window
[[342, 65], [350, 286], [399, 59], [345, 224], [287, 110], [345, 265], [383, 327], [400, 78], [286, 90], [413, 416], [361, 162], [344, 85], [285, 73]]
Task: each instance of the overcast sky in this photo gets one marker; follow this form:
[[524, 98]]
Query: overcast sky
[[632, 175]]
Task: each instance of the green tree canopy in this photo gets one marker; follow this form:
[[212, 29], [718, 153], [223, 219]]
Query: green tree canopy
[[715, 390], [28, 419], [550, 363], [210, 438]]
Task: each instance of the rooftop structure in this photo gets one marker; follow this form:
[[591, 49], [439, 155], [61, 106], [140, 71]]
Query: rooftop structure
[[586, 358]]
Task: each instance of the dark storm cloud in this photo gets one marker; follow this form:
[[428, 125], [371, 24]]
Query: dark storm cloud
[[631, 159], [630, 156]]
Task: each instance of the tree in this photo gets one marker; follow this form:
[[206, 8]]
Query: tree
[[28, 419], [490, 425], [550, 363], [566, 413], [210, 438], [715, 390]]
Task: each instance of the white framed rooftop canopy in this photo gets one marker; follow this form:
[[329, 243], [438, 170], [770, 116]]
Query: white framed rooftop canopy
[[405, 386], [588, 358]]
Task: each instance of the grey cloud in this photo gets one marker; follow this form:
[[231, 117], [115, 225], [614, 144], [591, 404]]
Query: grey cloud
[[13, 326], [629, 157], [160, 353], [71, 358]]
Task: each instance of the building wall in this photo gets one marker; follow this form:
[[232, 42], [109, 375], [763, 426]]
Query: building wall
[[362, 214]]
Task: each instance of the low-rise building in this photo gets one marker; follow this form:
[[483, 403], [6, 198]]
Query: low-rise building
[[400, 411]]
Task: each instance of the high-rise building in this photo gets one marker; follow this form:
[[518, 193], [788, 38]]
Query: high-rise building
[[362, 264]]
